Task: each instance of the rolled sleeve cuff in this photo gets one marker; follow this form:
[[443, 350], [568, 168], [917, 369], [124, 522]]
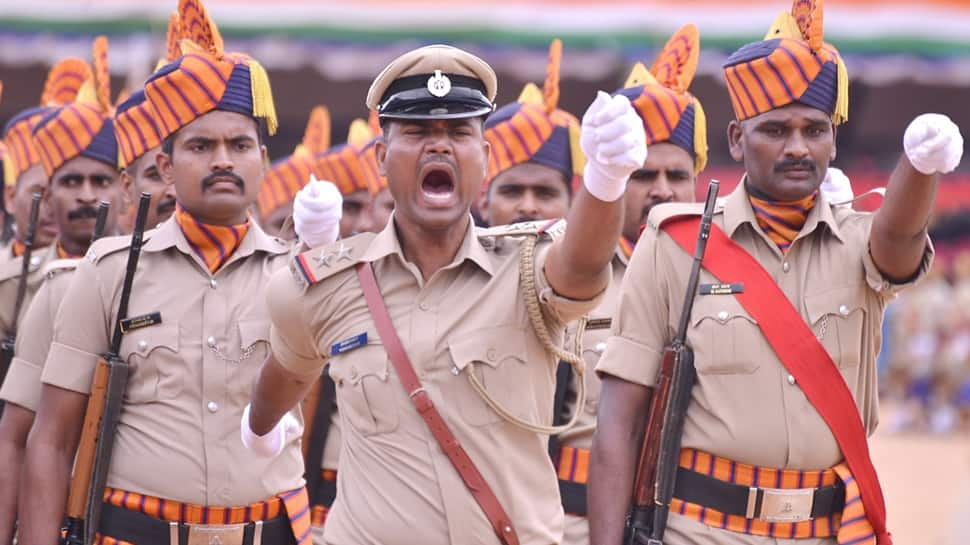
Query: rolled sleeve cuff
[[290, 360], [22, 385], [561, 308], [70, 368], [886, 287], [631, 361]]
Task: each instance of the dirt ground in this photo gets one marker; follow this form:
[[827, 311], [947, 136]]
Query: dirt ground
[[926, 481]]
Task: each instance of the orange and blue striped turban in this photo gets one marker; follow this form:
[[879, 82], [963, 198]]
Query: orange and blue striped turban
[[84, 127], [63, 83], [533, 129], [206, 78], [135, 128], [342, 164], [660, 97], [287, 176], [364, 135], [792, 64]]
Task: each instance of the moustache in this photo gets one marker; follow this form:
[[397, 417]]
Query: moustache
[[806, 164], [219, 175], [165, 206], [82, 212]]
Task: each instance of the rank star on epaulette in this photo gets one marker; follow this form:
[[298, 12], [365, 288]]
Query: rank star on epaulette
[[342, 253]]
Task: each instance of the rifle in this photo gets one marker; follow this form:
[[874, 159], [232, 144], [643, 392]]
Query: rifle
[[101, 221], [101, 416], [7, 346], [660, 451]]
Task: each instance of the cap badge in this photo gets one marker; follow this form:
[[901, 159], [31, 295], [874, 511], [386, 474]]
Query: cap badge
[[439, 85]]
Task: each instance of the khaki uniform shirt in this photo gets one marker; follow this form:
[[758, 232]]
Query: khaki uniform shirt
[[191, 375], [10, 269], [22, 385], [395, 485], [745, 406]]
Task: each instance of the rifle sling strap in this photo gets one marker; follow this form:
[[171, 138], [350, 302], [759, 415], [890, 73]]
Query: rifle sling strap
[[483, 494], [799, 351], [318, 440]]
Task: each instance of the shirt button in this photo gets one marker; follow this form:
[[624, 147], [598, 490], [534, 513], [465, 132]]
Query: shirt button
[[491, 354], [786, 266], [353, 373], [212, 406], [791, 379], [600, 347], [723, 315], [423, 306], [213, 283], [34, 260], [142, 345], [844, 310], [211, 341]]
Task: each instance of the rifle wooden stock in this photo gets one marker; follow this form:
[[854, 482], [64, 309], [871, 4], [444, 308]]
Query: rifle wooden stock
[[650, 449], [84, 463]]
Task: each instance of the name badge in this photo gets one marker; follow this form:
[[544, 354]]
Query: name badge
[[722, 289], [347, 345], [599, 323], [138, 322]]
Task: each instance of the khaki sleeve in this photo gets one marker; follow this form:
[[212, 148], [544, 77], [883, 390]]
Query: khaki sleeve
[[561, 309], [639, 331], [886, 287], [22, 385], [293, 345], [80, 332]]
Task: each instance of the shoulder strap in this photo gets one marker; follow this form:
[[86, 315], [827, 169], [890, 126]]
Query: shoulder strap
[[463, 464], [799, 351]]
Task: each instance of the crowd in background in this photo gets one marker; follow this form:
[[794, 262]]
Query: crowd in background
[[925, 361]]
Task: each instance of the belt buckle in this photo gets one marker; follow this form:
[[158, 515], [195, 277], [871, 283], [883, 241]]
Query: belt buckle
[[782, 505], [215, 534]]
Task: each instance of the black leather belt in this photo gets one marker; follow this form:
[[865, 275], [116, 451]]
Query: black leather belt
[[573, 497], [141, 529], [769, 504]]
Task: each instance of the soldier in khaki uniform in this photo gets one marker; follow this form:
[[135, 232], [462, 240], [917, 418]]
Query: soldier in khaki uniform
[[454, 297], [139, 150], [79, 177], [751, 432], [531, 178], [677, 155], [178, 462]]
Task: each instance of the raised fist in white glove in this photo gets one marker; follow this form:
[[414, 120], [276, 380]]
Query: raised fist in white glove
[[271, 444], [316, 212], [836, 187], [933, 144], [615, 145]]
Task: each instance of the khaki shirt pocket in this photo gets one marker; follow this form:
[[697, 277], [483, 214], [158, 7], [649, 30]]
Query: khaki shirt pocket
[[726, 340], [497, 356], [253, 340], [837, 317], [152, 352], [366, 395]]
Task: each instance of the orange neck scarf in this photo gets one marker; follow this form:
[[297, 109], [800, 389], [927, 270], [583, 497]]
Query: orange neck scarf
[[782, 221], [18, 248], [64, 254], [214, 244], [626, 246]]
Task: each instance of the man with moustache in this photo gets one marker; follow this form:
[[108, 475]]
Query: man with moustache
[[199, 286], [483, 378], [535, 154], [786, 324], [140, 143], [79, 180], [677, 155]]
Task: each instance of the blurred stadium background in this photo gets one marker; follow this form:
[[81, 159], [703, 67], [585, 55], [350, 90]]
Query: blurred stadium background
[[904, 58]]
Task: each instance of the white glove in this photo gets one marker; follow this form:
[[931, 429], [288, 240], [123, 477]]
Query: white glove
[[615, 145], [933, 144], [836, 187], [271, 444], [316, 212]]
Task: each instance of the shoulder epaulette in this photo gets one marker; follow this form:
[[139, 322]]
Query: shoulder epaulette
[[662, 213], [314, 265], [58, 266], [108, 245], [13, 267], [553, 228]]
